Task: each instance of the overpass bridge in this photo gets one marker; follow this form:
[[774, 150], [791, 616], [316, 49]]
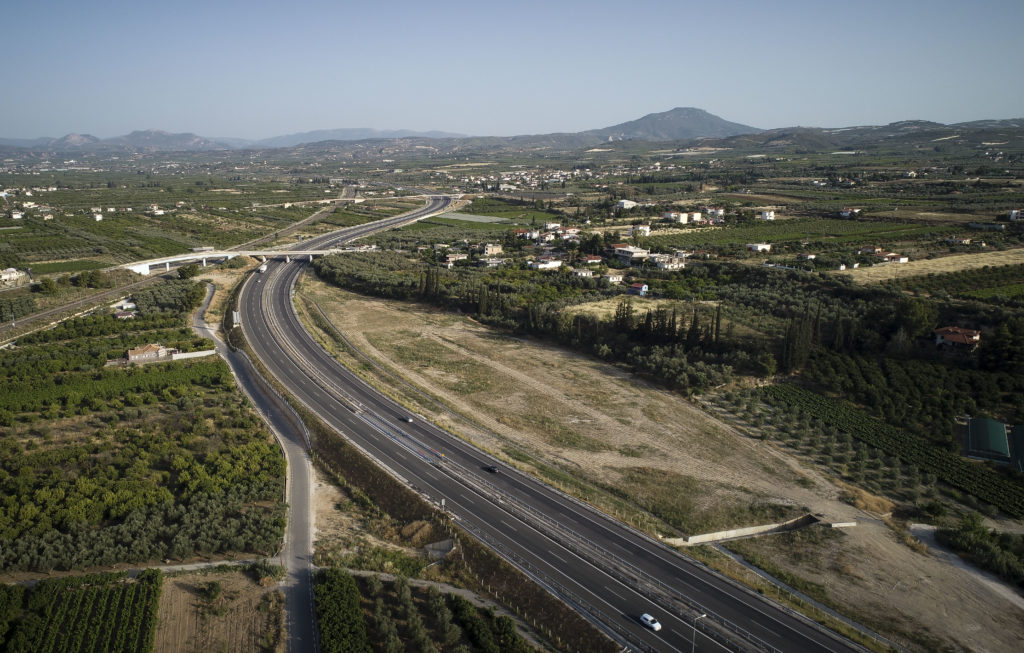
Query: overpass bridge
[[164, 264]]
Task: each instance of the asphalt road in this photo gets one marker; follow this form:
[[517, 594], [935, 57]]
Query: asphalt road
[[297, 550], [600, 566]]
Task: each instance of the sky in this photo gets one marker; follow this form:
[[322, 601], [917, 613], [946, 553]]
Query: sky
[[257, 69]]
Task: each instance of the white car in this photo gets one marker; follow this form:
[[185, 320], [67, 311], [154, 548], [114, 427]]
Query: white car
[[650, 622]]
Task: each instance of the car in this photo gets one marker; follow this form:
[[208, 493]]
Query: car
[[407, 419], [650, 622], [491, 468]]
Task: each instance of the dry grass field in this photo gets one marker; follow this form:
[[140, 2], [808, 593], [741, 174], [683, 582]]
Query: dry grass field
[[235, 615], [954, 263], [585, 425]]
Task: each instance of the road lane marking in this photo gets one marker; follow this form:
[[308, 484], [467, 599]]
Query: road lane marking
[[508, 525], [557, 557]]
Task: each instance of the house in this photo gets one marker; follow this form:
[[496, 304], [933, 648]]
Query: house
[[765, 215], [849, 213], [111, 209], [583, 273], [591, 259], [545, 263], [10, 274], [893, 257], [490, 262], [150, 352], [490, 249], [630, 255], [125, 315], [870, 249], [668, 262], [626, 204], [1016, 214], [48, 216], [551, 226], [714, 212], [696, 216], [638, 289], [529, 234], [804, 256], [759, 247], [613, 278], [17, 215], [98, 217], [640, 230], [676, 216], [957, 337]]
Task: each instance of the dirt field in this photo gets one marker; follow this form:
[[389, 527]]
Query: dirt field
[[542, 406], [880, 273], [223, 280], [243, 617]]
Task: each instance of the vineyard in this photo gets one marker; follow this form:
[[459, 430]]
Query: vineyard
[[97, 612], [949, 468]]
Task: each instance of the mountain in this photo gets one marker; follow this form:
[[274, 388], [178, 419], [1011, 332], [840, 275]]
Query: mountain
[[351, 134], [679, 124], [155, 140]]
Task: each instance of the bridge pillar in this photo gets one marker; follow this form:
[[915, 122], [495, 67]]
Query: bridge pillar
[[167, 266], [310, 258], [204, 262], [287, 259]]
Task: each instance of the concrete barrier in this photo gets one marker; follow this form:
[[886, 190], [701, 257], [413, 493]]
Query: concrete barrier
[[177, 356], [792, 524]]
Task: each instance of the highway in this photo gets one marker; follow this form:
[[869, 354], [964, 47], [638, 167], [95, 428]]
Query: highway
[[602, 567]]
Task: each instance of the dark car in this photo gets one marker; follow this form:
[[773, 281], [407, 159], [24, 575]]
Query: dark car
[[407, 419], [492, 469]]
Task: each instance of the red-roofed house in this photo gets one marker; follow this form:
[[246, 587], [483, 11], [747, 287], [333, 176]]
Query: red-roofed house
[[957, 337]]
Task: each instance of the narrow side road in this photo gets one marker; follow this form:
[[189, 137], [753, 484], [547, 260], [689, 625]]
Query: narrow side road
[[297, 552]]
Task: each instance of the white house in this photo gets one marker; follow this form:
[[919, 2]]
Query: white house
[[10, 274], [551, 226], [849, 213], [759, 247], [766, 215], [629, 254], [640, 230], [613, 277], [545, 264], [676, 216], [17, 215], [638, 289], [583, 272], [1016, 214], [626, 204], [667, 262], [98, 217], [491, 249]]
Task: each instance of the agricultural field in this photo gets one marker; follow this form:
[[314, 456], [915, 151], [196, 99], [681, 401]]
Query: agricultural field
[[220, 609], [353, 611], [104, 464], [97, 612], [936, 266]]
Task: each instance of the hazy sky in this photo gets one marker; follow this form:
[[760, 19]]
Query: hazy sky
[[256, 69]]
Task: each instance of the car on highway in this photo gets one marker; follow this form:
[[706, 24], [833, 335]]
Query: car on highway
[[408, 419], [650, 622], [491, 468]]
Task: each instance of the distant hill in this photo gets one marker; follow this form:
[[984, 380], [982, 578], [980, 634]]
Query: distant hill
[[915, 133], [679, 124], [682, 126], [351, 134]]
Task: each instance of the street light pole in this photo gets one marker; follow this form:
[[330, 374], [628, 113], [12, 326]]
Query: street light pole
[[693, 639]]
